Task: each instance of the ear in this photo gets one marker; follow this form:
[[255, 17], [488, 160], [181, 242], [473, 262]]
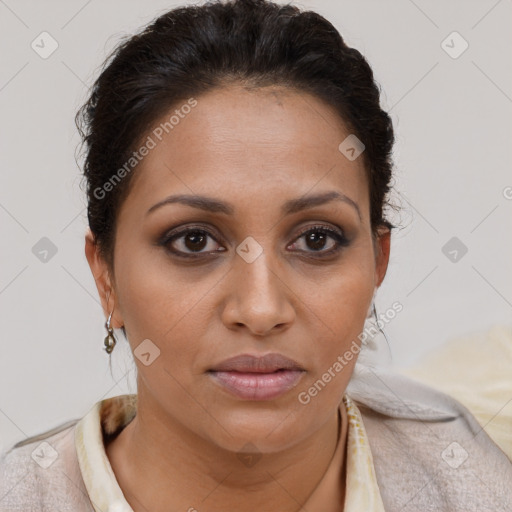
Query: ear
[[383, 248], [102, 278]]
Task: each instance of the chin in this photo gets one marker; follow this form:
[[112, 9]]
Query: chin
[[259, 432]]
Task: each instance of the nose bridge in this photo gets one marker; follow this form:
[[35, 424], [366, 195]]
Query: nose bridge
[[261, 301], [257, 280]]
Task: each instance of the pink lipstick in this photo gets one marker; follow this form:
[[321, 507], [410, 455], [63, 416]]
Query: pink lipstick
[[257, 377]]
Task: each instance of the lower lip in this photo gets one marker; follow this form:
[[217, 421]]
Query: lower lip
[[258, 386]]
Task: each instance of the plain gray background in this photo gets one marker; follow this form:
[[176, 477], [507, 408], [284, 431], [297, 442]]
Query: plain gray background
[[453, 124]]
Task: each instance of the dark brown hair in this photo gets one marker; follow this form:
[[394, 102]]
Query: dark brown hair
[[191, 50]]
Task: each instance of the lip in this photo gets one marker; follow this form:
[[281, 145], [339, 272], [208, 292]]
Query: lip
[[257, 377], [257, 364]]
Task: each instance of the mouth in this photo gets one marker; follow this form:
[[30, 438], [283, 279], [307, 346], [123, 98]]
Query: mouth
[[257, 378]]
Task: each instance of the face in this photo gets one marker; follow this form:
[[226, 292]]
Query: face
[[252, 268]]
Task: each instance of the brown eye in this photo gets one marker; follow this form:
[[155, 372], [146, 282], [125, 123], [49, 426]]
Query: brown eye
[[316, 240], [190, 241], [195, 240]]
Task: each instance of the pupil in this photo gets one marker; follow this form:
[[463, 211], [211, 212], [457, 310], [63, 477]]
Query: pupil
[[196, 239], [317, 244]]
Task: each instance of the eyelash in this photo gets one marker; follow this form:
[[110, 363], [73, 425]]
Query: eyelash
[[341, 241]]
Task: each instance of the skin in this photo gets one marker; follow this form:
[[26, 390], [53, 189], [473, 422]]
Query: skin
[[255, 149]]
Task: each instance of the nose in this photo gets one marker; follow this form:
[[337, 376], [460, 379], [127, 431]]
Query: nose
[[259, 298]]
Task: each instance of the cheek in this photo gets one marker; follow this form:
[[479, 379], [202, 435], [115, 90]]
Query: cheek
[[339, 302], [343, 312], [154, 296], [163, 307], [171, 307], [335, 316]]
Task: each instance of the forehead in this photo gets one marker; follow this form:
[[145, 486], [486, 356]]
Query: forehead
[[272, 142]]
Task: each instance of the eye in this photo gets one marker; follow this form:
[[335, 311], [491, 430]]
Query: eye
[[190, 241], [316, 239]]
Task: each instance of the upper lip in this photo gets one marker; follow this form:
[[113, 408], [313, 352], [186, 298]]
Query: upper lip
[[257, 364]]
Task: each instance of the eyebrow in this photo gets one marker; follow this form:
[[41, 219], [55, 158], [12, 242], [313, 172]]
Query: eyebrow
[[212, 205]]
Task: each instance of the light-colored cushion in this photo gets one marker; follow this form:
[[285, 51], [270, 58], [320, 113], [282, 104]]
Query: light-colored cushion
[[476, 370]]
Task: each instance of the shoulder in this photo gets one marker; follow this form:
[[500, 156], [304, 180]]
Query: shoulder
[[429, 452], [42, 473]]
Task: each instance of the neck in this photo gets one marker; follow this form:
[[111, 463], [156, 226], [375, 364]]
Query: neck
[[160, 465]]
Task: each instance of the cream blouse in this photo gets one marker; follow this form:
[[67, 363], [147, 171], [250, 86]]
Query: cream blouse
[[362, 491]]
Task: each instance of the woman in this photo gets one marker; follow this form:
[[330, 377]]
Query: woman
[[238, 166]]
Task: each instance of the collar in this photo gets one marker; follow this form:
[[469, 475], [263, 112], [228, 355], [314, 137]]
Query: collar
[[110, 415]]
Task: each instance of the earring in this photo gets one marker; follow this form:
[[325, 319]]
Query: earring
[[380, 328], [371, 309], [110, 340]]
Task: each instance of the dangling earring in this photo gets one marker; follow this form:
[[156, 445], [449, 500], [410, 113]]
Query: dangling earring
[[371, 310], [110, 340], [380, 328]]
